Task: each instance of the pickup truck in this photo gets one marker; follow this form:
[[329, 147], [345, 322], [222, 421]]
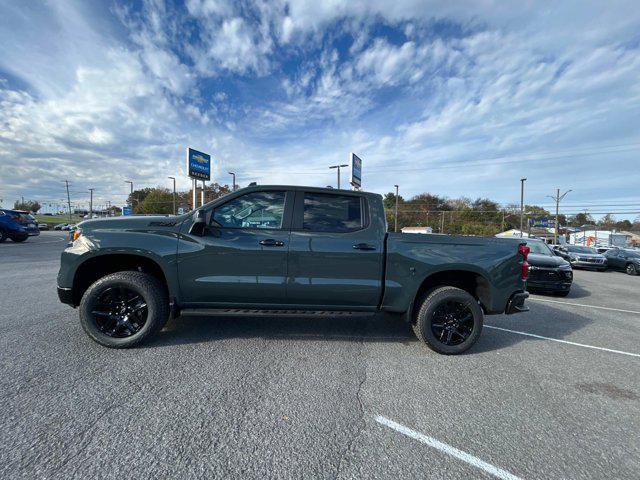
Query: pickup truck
[[286, 248]]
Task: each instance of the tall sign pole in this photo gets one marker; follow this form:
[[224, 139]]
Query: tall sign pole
[[355, 164], [198, 168]]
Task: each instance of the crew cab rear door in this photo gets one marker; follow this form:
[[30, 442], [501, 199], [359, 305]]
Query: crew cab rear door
[[335, 252], [241, 259]]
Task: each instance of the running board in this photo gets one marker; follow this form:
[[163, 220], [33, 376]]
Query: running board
[[207, 312]]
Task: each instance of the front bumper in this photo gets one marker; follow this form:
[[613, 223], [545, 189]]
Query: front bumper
[[584, 264], [516, 303], [66, 296]]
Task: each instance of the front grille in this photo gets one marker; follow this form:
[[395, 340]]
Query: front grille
[[543, 275]]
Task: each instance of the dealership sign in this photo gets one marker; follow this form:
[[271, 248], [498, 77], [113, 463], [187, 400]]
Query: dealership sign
[[355, 163], [542, 222], [198, 164]]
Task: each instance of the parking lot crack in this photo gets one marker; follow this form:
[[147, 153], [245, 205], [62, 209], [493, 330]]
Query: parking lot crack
[[361, 420]]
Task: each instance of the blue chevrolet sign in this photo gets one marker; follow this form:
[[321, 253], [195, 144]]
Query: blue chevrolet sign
[[198, 164]]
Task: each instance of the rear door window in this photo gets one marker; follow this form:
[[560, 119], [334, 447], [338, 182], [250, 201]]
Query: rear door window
[[332, 213]]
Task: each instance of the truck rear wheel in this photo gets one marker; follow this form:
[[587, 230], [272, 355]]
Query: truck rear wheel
[[124, 309], [448, 320]]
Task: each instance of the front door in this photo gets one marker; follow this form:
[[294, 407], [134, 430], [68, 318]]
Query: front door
[[242, 257], [335, 253]]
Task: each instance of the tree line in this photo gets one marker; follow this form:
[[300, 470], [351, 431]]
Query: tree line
[[482, 216]]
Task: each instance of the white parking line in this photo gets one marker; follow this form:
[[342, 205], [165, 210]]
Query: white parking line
[[564, 341], [583, 305], [448, 449]]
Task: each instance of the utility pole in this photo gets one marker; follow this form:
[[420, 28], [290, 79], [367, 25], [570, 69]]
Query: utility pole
[[339, 167], [442, 222], [174, 194], [202, 194], [234, 180], [502, 230], [131, 191], [395, 228], [68, 199], [91, 203], [557, 199], [522, 180]]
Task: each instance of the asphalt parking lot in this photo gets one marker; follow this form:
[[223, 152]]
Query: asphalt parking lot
[[553, 393]]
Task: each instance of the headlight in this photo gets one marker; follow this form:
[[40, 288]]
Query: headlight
[[565, 267]]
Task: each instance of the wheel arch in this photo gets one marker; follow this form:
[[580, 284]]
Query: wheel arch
[[476, 284], [98, 266]]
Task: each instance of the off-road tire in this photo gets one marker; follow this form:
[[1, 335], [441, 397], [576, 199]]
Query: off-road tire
[[425, 308], [631, 269], [3, 236], [147, 286], [18, 239]]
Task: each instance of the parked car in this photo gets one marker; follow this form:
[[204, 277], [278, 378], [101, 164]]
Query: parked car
[[561, 251], [291, 248], [548, 272], [59, 226], [17, 225], [586, 257], [43, 227], [624, 259]]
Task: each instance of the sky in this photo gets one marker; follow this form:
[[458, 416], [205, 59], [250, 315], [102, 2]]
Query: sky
[[452, 98]]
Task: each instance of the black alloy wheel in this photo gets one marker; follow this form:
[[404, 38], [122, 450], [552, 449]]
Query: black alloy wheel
[[120, 312], [452, 322], [631, 269], [124, 309], [448, 320]]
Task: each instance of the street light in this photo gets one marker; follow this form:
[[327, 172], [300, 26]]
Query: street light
[[131, 184], [522, 180], [174, 193], [557, 199], [395, 228], [339, 167], [234, 180]]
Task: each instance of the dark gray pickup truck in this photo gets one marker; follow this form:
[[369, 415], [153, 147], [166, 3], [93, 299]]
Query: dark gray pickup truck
[[286, 248]]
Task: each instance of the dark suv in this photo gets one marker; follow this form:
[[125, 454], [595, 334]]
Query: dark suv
[[625, 260], [17, 225], [548, 272]]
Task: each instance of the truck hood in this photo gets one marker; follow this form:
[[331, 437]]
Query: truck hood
[[537, 260]]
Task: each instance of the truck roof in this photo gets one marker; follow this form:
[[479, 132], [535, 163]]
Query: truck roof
[[306, 188]]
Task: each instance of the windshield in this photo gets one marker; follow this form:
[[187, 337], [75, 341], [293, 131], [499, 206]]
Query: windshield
[[633, 253], [576, 249], [539, 248]]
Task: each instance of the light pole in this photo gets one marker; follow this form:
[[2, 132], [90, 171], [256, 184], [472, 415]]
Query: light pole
[[557, 199], [131, 195], [91, 203], [522, 180], [174, 194], [339, 167], [395, 228], [233, 174]]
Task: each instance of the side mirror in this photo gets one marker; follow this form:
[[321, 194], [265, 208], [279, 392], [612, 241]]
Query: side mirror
[[199, 223]]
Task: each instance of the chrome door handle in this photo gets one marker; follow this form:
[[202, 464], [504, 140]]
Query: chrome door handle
[[270, 242]]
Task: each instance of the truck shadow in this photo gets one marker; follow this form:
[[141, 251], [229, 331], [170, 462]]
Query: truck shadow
[[576, 292], [543, 319]]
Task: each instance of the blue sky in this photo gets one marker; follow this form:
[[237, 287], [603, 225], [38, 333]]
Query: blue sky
[[453, 98]]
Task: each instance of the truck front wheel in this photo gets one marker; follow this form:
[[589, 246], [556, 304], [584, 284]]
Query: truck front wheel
[[124, 309], [448, 320]]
